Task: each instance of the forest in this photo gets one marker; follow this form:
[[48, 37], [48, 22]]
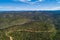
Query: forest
[[30, 25]]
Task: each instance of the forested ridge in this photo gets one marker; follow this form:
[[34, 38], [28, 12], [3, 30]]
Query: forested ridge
[[29, 25]]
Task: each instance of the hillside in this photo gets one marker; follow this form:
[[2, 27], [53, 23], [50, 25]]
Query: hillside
[[28, 26], [33, 29]]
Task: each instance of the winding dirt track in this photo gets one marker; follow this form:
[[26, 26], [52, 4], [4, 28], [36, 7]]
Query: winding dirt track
[[11, 38]]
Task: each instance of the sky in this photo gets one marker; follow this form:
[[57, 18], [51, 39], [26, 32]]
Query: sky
[[18, 5]]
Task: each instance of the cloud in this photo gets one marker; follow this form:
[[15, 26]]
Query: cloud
[[4, 7], [30, 2], [14, 8], [58, 1], [40, 0], [22, 0], [52, 8], [58, 8], [0, 7]]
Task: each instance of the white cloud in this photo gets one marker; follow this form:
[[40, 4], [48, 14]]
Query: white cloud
[[17, 8], [40, 0], [22, 0], [28, 0], [52, 8]]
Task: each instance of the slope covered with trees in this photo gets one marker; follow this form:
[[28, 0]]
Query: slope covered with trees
[[32, 25]]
